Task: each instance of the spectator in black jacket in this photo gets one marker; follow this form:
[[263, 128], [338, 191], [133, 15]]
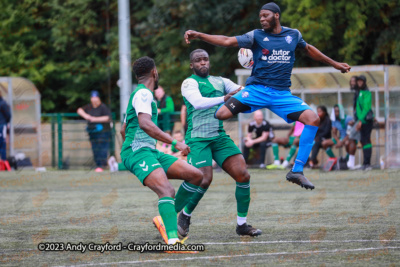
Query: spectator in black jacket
[[98, 116], [257, 137], [324, 132], [5, 117]]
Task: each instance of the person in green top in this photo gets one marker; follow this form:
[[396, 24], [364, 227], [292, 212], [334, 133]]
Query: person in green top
[[165, 106], [153, 168], [364, 119], [207, 139]]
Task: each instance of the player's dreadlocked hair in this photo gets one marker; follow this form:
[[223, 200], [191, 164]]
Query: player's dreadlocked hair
[[142, 66], [196, 51]]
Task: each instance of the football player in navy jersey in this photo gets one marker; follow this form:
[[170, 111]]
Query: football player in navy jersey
[[273, 49]]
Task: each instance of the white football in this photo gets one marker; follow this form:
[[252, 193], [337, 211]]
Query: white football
[[245, 57]]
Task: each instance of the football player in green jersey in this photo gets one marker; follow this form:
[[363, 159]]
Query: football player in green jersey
[[207, 139], [152, 167]]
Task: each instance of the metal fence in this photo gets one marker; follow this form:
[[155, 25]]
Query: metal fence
[[70, 145]]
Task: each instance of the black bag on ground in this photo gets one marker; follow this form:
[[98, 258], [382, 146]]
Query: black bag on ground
[[341, 164]]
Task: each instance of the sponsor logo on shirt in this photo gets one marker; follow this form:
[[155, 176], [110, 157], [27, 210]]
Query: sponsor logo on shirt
[[288, 39], [202, 82], [265, 52], [200, 162], [277, 56]]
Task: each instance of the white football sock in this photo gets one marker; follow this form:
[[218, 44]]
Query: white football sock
[[277, 162], [351, 161], [285, 163], [241, 220]]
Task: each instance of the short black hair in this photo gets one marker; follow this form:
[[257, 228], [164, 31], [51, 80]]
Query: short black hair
[[196, 51], [143, 66]]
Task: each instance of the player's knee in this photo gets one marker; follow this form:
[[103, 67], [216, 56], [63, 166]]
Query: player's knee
[[316, 122], [197, 177], [244, 177], [167, 191], [205, 183]]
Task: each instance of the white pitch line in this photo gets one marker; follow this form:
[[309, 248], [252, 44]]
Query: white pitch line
[[237, 256], [299, 241]]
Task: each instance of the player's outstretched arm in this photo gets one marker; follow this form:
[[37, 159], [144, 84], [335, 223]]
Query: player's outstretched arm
[[190, 90], [317, 55], [219, 40], [147, 125]]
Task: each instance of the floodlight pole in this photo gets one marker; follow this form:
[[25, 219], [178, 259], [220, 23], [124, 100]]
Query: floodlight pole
[[124, 55]]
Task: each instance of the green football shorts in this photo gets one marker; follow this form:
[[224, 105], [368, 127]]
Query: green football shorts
[[145, 160], [203, 152]]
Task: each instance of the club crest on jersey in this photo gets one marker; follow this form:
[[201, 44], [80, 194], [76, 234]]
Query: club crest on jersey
[[288, 39], [245, 94]]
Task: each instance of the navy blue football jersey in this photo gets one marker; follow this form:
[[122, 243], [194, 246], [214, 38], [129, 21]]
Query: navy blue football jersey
[[273, 56]]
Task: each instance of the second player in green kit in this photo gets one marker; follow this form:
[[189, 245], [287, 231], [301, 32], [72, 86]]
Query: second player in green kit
[[207, 139]]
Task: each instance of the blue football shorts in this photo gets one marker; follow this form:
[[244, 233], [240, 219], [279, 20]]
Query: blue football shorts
[[282, 103]]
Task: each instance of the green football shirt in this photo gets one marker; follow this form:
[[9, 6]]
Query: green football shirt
[[140, 101], [202, 97]]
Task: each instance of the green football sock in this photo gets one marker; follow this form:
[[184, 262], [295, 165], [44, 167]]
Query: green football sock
[[275, 149], [242, 195], [329, 152], [166, 207], [121, 167], [194, 201], [292, 151], [185, 193], [347, 156]]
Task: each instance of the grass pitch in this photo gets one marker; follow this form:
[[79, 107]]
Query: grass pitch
[[351, 218]]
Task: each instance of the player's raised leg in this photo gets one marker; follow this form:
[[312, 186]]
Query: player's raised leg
[[235, 166]]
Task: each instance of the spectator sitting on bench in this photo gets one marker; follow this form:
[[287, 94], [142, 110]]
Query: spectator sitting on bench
[[257, 137], [339, 125]]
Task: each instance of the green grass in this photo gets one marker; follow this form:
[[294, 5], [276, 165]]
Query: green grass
[[342, 222]]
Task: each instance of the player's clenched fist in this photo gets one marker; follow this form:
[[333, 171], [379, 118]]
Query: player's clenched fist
[[343, 67], [185, 149], [190, 35]]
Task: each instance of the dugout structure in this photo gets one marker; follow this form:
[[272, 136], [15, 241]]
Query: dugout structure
[[25, 131], [327, 86]]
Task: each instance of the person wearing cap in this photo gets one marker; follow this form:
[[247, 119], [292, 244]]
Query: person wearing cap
[[273, 49], [5, 117], [165, 106], [98, 116], [363, 124]]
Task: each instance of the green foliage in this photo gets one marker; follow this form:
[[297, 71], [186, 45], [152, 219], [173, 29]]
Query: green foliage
[[67, 48], [357, 32]]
